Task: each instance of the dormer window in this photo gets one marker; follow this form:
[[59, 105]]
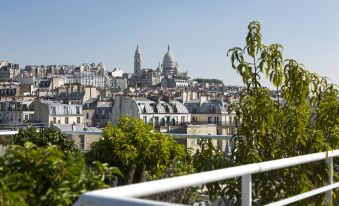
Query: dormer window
[[175, 109], [212, 109]]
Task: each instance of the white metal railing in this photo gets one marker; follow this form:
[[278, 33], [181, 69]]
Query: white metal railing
[[8, 132], [128, 195]]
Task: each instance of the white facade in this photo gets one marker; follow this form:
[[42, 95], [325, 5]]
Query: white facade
[[90, 79], [16, 112], [117, 72], [50, 112], [157, 113]]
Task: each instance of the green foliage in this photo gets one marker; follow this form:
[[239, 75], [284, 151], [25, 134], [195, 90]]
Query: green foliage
[[210, 158], [6, 140], [44, 137], [136, 147], [31, 175], [215, 81], [303, 120]]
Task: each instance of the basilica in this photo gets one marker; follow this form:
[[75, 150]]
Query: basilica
[[166, 75]]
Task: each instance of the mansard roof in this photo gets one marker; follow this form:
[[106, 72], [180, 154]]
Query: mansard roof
[[209, 107], [161, 107]]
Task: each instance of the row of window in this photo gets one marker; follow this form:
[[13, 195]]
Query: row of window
[[163, 121], [17, 117], [66, 120], [66, 110]]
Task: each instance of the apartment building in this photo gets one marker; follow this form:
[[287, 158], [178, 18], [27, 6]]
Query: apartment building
[[53, 112]]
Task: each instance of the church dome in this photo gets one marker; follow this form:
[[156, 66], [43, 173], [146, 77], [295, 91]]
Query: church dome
[[168, 60]]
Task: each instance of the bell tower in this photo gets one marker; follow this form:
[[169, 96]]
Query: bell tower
[[137, 61]]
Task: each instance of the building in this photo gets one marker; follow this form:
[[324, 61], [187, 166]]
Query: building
[[8, 71], [82, 135], [119, 83], [159, 113], [91, 79], [52, 112], [193, 143], [9, 90], [116, 72], [103, 112], [16, 111], [212, 112], [174, 83], [88, 109]]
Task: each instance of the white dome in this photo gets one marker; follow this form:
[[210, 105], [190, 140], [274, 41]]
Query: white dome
[[168, 60]]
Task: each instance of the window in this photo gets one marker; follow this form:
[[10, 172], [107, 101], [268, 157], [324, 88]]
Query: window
[[66, 109], [78, 110], [183, 119], [26, 117], [78, 119], [66, 120], [53, 111], [82, 141], [87, 115], [54, 119], [216, 119], [209, 119], [145, 119]]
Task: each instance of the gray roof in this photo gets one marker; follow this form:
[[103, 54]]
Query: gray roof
[[78, 128], [162, 107], [104, 104], [211, 106], [90, 100]]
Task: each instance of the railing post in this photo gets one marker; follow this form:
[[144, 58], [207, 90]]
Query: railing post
[[246, 190], [329, 164]]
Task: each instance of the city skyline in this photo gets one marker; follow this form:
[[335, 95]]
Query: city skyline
[[199, 33]]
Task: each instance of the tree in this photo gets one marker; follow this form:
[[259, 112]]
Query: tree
[[140, 151], [44, 137], [303, 119], [31, 175]]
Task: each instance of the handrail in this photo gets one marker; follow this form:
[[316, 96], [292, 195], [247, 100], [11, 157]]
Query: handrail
[[174, 183], [8, 132]]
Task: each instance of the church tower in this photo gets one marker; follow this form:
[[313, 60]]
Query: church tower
[[137, 61]]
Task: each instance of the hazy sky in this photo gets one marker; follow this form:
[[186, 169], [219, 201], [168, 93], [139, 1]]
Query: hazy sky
[[199, 32]]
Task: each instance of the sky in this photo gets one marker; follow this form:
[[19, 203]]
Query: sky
[[198, 32]]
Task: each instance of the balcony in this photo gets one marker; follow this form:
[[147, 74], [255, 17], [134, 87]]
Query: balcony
[[131, 194], [24, 125]]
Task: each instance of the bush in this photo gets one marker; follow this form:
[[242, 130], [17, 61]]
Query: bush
[[44, 137], [31, 175], [140, 151]]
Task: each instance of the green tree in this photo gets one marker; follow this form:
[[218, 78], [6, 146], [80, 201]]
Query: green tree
[[303, 119], [44, 137], [140, 151], [31, 175]]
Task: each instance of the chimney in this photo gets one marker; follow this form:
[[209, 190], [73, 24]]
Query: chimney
[[74, 127]]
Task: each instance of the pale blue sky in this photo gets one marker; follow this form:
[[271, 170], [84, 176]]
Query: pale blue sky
[[199, 32]]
